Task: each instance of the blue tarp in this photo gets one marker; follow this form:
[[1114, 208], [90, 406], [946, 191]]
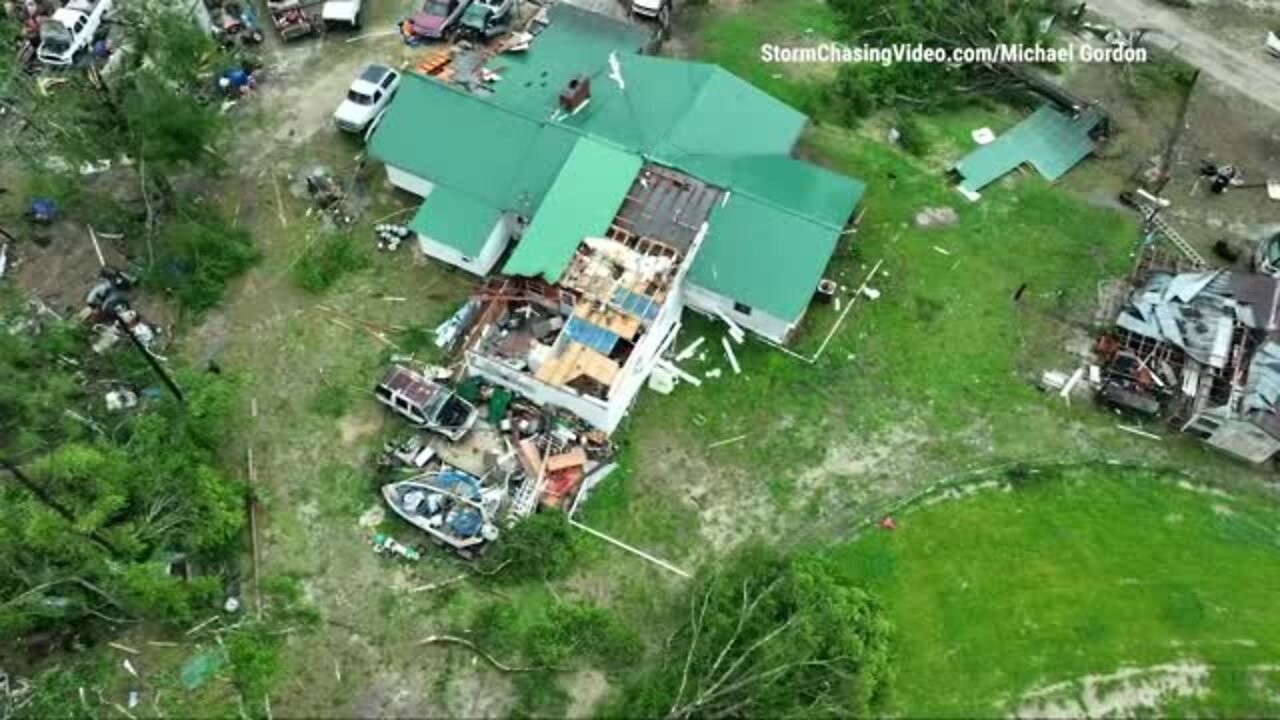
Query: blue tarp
[[593, 336], [638, 305]]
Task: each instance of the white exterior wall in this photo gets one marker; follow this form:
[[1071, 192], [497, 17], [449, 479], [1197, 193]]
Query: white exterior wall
[[409, 182], [759, 321], [489, 254], [592, 410]]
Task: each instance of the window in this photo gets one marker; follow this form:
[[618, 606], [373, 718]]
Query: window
[[377, 97], [386, 81], [741, 309], [359, 98]]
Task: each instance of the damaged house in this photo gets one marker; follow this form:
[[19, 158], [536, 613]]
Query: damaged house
[[602, 191], [1202, 349]]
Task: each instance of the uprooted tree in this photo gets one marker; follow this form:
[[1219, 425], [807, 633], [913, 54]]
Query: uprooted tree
[[770, 636], [944, 24]]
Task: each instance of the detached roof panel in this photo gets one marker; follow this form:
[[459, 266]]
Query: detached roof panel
[[581, 203], [1050, 141], [456, 219], [764, 256]]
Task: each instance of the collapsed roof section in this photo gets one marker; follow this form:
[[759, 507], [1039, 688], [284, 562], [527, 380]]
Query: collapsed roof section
[[609, 293], [572, 116], [1199, 312], [1202, 348]]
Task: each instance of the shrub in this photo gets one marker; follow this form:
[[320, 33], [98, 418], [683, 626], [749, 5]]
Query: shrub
[[197, 255], [541, 547], [322, 267]]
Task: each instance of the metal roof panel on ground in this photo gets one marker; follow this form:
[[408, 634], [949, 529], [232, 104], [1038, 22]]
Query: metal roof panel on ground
[[581, 203], [1049, 140], [456, 219], [764, 256], [461, 141]]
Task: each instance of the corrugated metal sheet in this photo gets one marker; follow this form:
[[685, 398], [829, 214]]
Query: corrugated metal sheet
[[457, 220], [1050, 141], [581, 203]]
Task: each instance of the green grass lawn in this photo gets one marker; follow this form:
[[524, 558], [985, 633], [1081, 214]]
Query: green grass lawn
[[1052, 578]]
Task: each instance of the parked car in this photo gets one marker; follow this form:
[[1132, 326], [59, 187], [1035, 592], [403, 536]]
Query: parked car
[[342, 12], [70, 30], [658, 9], [485, 19], [367, 98], [426, 403], [438, 17]]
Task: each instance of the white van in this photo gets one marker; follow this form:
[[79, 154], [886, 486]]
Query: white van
[[70, 30], [342, 12]]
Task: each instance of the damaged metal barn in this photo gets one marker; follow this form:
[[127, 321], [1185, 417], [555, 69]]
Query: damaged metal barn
[[1201, 350]]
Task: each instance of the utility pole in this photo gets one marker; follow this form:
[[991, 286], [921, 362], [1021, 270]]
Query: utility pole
[[124, 327], [151, 359], [52, 503]]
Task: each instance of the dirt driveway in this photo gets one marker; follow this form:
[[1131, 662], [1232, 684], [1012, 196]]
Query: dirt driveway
[[1246, 69]]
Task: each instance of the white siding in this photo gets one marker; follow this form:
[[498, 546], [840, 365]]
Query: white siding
[[759, 321], [489, 254], [592, 410], [409, 182]]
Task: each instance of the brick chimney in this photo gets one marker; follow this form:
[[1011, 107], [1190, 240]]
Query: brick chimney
[[575, 94]]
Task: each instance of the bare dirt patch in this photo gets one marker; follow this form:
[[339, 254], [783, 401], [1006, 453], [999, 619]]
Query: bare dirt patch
[[1124, 693], [587, 688]]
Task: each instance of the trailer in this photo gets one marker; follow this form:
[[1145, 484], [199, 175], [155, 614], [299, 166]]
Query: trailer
[[295, 19]]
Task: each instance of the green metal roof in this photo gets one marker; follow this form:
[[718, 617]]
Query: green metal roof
[[799, 186], [581, 203], [670, 110], [576, 42], [764, 255], [515, 150], [456, 219], [1050, 141], [458, 140]]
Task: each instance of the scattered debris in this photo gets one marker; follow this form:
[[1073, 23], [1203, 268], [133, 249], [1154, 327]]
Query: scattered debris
[[1197, 348], [390, 236], [983, 136], [633, 550], [733, 359], [128, 666], [729, 441], [942, 251], [689, 350], [1141, 433], [387, 545], [735, 331]]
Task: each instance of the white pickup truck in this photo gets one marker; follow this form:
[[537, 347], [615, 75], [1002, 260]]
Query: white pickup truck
[[342, 12], [70, 30]]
